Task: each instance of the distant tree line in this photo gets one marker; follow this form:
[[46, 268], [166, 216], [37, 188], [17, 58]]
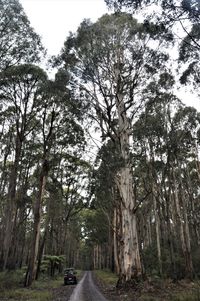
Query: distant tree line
[[41, 170]]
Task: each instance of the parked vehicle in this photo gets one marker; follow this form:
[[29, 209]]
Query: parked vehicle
[[70, 276]]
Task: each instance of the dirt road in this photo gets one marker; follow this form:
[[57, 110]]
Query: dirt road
[[86, 290]]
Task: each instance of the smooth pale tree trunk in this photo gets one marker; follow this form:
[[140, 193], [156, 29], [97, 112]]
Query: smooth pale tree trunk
[[32, 267], [157, 219], [109, 246], [187, 246], [43, 238], [97, 257], [157, 224], [195, 218], [94, 258], [182, 219], [11, 210], [169, 230], [100, 256], [149, 232], [115, 240], [197, 161], [130, 263], [3, 180], [179, 217], [19, 231]]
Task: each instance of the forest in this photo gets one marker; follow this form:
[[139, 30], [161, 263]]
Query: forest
[[99, 165]]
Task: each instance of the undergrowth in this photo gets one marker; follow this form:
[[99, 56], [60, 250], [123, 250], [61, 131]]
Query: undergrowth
[[11, 287], [155, 290], [107, 277]]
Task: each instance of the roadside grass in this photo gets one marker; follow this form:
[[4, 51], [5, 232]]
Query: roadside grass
[[171, 297], [12, 279], [11, 287], [157, 290], [182, 291], [107, 277], [25, 294], [47, 283], [190, 294], [185, 297]]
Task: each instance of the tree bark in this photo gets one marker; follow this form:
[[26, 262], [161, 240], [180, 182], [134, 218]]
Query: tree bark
[[32, 267], [157, 220], [11, 204], [186, 232], [115, 241], [130, 263]]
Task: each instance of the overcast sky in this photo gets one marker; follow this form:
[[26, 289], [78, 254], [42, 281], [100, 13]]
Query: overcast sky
[[54, 19]]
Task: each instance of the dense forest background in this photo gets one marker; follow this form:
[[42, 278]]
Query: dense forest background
[[134, 208]]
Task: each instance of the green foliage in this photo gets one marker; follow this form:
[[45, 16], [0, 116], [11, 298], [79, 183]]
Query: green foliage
[[47, 283], [11, 279], [25, 294], [190, 8], [19, 42], [196, 261], [151, 261], [52, 264], [40, 291], [134, 4], [95, 226], [149, 298], [158, 289], [55, 259], [106, 277], [189, 56], [185, 296], [110, 35]]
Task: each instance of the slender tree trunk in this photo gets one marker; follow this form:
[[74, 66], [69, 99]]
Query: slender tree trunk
[[94, 257], [179, 217], [149, 232], [157, 224], [11, 204], [32, 267], [169, 233], [157, 220], [115, 240], [19, 231], [3, 178], [194, 212], [40, 253], [187, 250]]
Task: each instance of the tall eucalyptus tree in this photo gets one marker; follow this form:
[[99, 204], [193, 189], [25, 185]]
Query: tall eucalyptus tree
[[112, 62], [18, 41], [59, 134], [21, 99], [176, 9]]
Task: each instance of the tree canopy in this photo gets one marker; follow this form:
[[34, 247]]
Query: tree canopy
[[19, 42]]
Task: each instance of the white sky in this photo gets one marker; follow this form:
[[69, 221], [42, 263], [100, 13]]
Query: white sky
[[54, 19]]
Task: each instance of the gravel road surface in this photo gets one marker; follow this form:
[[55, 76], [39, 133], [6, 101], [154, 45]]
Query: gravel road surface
[[86, 290]]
